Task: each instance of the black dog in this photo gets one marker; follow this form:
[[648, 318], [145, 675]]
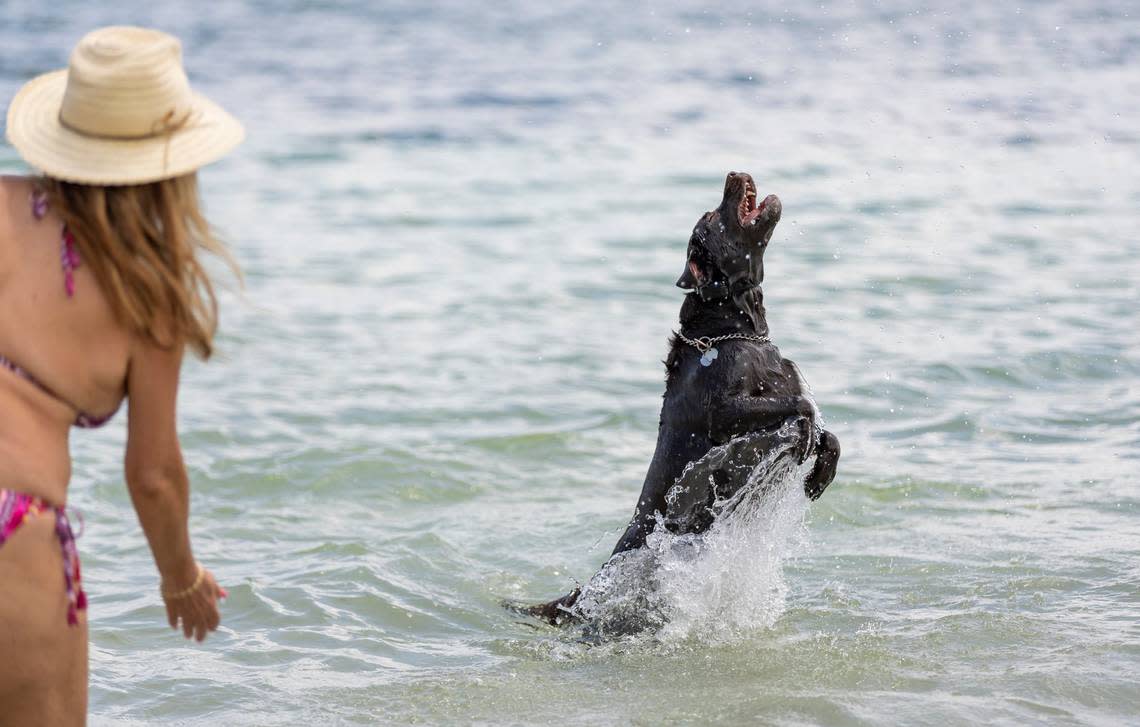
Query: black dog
[[726, 383]]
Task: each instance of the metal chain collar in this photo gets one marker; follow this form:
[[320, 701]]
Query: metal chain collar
[[704, 343]]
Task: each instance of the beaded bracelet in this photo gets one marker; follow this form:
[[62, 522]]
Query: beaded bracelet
[[187, 591]]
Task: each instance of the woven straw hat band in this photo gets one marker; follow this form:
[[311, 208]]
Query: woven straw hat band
[[126, 83]]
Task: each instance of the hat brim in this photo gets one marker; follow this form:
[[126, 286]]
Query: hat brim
[[46, 144]]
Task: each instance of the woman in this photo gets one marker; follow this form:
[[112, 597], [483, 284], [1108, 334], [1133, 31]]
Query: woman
[[101, 290]]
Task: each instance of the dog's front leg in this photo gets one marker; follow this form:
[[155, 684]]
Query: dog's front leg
[[826, 461]]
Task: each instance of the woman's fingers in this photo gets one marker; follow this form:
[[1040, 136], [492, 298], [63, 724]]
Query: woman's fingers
[[208, 612], [212, 617], [187, 626], [199, 623], [193, 617], [202, 614]]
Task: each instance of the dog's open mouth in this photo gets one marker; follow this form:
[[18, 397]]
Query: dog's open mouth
[[750, 212], [747, 211]]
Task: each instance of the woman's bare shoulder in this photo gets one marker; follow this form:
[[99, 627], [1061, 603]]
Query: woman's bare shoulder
[[15, 184], [14, 191], [11, 189]]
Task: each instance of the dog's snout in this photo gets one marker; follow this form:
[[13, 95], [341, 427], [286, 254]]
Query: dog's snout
[[735, 181]]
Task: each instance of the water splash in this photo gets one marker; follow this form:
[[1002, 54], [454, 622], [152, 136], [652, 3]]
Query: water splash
[[711, 587]]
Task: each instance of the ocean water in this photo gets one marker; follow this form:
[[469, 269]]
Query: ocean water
[[439, 388]]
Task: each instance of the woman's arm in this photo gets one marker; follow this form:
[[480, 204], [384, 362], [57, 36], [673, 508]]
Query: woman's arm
[[160, 488]]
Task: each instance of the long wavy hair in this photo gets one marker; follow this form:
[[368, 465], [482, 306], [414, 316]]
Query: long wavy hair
[[141, 242]]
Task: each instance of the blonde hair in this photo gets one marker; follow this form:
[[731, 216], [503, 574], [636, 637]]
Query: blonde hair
[[141, 242]]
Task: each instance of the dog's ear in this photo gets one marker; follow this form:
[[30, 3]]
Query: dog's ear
[[695, 275], [687, 281]]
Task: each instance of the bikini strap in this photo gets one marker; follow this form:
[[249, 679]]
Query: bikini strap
[[69, 260], [39, 203], [68, 251]]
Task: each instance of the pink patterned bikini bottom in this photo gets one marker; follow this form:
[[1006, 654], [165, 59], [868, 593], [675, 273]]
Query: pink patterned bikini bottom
[[16, 508]]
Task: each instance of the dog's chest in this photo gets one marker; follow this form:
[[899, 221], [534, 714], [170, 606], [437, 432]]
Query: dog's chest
[[687, 391], [739, 369], [694, 388]]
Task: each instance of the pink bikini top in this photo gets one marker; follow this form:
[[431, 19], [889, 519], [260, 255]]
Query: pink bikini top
[[69, 261]]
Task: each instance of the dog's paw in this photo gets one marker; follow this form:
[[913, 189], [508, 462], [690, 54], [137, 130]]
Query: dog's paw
[[821, 476], [825, 467], [813, 488], [555, 613]]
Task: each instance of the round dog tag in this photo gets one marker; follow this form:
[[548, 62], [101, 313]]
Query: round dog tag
[[708, 357]]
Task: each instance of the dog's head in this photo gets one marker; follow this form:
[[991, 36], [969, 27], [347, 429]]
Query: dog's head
[[727, 244]]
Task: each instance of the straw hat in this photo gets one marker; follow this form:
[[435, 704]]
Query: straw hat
[[121, 113]]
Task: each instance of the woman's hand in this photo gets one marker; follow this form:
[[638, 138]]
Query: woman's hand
[[195, 605]]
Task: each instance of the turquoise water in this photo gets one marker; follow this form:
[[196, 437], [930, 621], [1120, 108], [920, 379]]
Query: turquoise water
[[439, 388]]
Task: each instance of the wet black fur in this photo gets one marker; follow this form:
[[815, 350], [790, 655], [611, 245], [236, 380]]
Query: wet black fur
[[748, 388]]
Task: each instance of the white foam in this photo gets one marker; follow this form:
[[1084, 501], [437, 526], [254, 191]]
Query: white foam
[[712, 587]]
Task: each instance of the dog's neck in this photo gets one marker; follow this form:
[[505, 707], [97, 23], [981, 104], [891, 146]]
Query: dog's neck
[[718, 317]]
